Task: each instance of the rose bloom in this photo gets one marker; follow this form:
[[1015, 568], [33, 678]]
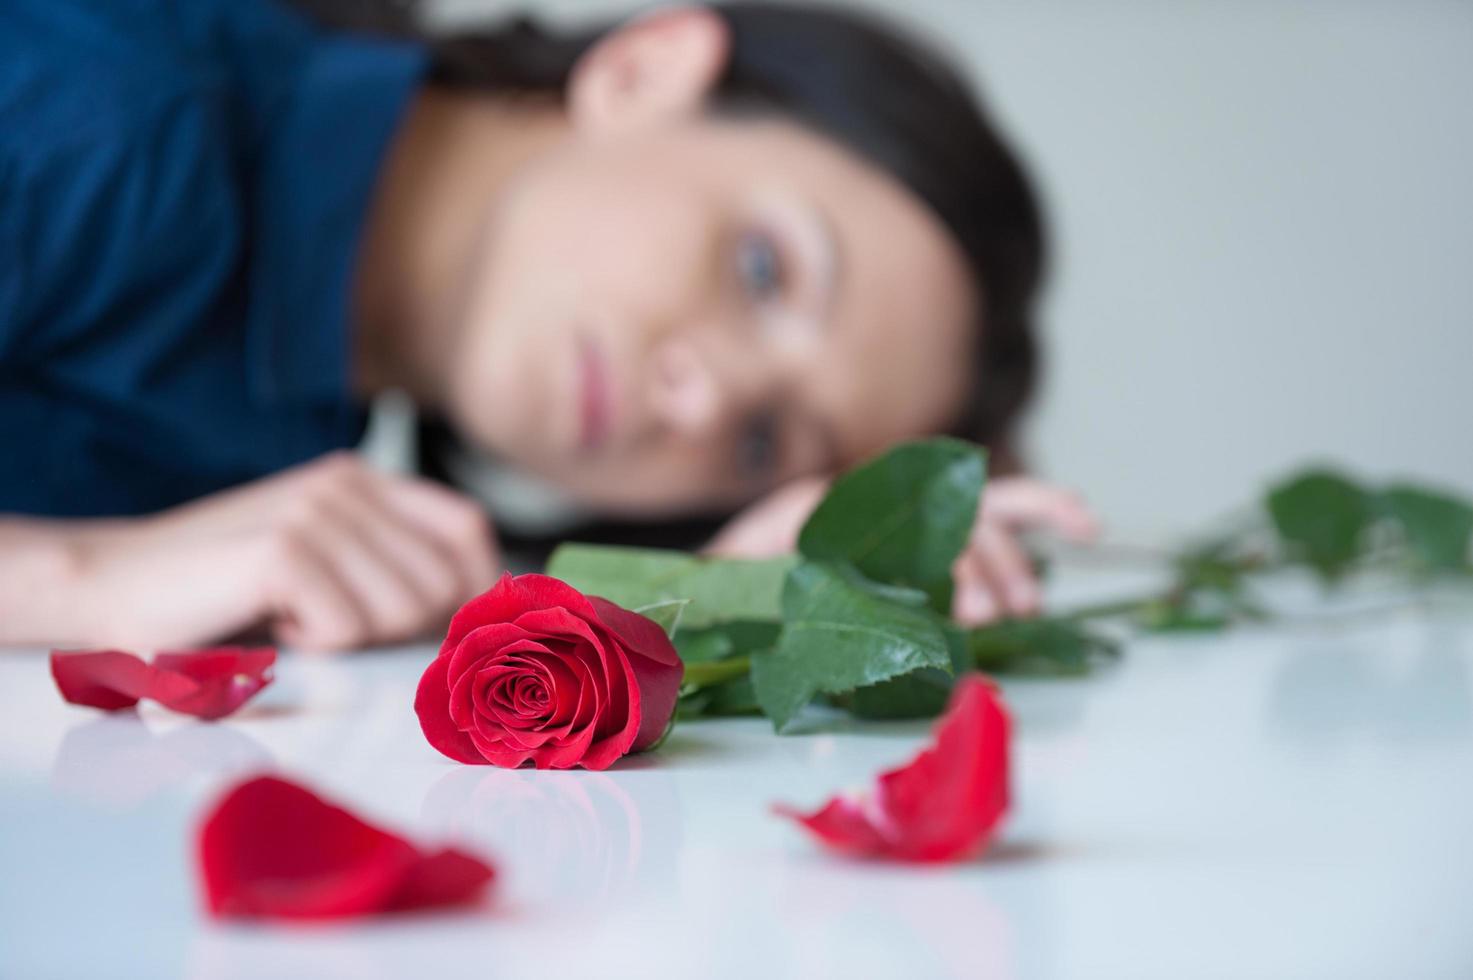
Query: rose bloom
[[533, 671]]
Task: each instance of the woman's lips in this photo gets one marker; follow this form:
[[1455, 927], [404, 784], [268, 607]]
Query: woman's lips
[[595, 402]]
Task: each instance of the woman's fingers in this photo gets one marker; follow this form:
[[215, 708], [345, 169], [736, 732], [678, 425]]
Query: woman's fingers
[[357, 553], [1021, 501], [429, 565], [393, 605], [385, 558], [1009, 569], [309, 604], [771, 525], [973, 602], [456, 525], [995, 577]]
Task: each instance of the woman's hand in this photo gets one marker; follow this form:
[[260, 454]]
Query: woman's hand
[[993, 576], [329, 555]]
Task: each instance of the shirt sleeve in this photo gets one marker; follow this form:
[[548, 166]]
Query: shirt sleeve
[[9, 262], [117, 185]]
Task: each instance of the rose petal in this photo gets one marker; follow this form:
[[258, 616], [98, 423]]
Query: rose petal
[[582, 661], [508, 599], [944, 804], [210, 684], [565, 753], [578, 699], [618, 713], [107, 679], [432, 705], [462, 703], [640, 634], [494, 730], [658, 669], [496, 752], [597, 649], [448, 877], [486, 641], [495, 694], [624, 702], [841, 824], [561, 690], [273, 849]]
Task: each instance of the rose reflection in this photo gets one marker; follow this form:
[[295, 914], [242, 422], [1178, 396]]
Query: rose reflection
[[566, 837], [116, 760]]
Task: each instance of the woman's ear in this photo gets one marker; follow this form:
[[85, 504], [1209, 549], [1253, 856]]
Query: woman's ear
[[654, 68]]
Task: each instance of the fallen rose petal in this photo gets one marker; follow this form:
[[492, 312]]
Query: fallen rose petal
[[941, 806], [106, 679], [447, 877], [208, 684], [273, 849], [840, 824]]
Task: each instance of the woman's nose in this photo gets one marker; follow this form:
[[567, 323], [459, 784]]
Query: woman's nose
[[685, 394]]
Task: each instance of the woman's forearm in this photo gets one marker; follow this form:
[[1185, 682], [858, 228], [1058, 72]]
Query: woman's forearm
[[40, 577], [329, 554]]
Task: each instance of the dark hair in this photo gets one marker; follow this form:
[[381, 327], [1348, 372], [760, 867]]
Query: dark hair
[[854, 78]]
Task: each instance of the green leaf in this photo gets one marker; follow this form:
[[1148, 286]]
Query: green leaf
[[748, 636], [903, 518], [666, 613], [1051, 647], [1210, 573], [703, 646], [1321, 517], [693, 704], [733, 698], [1437, 527], [733, 639], [899, 594], [919, 694], [719, 588], [838, 636]]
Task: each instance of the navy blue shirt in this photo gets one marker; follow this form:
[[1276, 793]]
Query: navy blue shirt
[[182, 189]]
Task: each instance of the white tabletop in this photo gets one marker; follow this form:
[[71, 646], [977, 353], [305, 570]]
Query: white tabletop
[[1288, 802]]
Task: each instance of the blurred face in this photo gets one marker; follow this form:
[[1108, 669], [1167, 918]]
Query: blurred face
[[676, 311]]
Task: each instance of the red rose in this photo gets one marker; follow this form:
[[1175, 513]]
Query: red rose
[[944, 805], [535, 671]]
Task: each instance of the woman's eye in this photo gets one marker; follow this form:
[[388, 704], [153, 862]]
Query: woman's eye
[[759, 266], [757, 446]]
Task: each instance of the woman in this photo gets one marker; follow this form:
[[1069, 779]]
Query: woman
[[679, 263]]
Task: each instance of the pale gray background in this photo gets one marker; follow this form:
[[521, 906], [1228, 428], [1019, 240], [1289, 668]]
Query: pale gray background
[[1264, 229]]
